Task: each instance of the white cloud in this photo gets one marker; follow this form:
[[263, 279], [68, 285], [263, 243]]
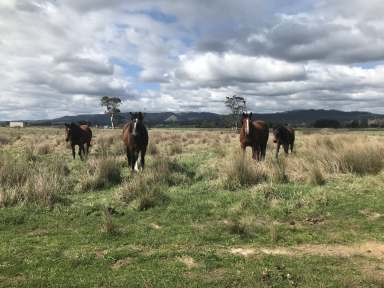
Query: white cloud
[[59, 57]]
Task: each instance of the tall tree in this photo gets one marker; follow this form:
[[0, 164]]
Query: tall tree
[[237, 105], [112, 107]]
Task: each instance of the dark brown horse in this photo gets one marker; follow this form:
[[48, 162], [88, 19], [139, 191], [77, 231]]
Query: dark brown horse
[[135, 137], [254, 134], [283, 136], [80, 135]]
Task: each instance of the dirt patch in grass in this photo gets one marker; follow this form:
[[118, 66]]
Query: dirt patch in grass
[[370, 249], [155, 226], [209, 276], [188, 261], [122, 263], [371, 215]]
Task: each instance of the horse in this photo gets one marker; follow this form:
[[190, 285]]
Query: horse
[[135, 138], [254, 134], [283, 136], [79, 135]]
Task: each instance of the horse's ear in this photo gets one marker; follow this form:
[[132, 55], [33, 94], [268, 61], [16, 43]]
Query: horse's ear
[[140, 115], [250, 115]]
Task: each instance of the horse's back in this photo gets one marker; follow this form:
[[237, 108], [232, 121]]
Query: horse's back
[[291, 132], [87, 132], [262, 131]]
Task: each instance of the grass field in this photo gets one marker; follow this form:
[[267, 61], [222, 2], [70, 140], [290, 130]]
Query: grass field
[[198, 216]]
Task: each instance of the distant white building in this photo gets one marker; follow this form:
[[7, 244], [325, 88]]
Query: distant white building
[[14, 124]]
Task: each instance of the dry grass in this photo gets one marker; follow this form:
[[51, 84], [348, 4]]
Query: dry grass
[[100, 173], [32, 182], [241, 171]]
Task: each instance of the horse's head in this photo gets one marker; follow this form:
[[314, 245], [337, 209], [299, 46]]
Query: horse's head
[[246, 120], [277, 133], [67, 132], [70, 130], [137, 121]]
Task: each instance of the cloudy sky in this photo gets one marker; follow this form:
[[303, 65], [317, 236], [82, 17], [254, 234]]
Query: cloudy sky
[[58, 57]]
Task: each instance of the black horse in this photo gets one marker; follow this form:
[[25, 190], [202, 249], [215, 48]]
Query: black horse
[[284, 136], [135, 138], [80, 135]]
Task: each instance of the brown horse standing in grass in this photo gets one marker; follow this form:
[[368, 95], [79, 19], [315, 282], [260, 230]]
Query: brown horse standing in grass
[[135, 137], [80, 135], [254, 134], [283, 136]]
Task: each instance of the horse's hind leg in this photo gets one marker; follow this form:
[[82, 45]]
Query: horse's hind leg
[[277, 149], [286, 148], [263, 151]]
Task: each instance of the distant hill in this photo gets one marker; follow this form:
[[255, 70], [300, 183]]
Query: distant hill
[[207, 119]]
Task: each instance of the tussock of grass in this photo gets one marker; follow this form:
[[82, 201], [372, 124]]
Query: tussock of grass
[[43, 149], [100, 173], [175, 148], [149, 187], [146, 189], [4, 140], [108, 227], [242, 172], [32, 182], [153, 149]]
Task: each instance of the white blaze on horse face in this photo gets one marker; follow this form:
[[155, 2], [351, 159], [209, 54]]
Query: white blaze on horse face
[[247, 126], [134, 126]]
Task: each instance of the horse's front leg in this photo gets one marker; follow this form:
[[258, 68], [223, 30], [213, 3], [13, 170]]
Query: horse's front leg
[[255, 155], [277, 149], [142, 158], [135, 161], [73, 151], [129, 157], [81, 151]]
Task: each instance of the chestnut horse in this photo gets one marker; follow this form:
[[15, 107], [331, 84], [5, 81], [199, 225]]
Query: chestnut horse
[[135, 138], [80, 135], [283, 136], [254, 134]]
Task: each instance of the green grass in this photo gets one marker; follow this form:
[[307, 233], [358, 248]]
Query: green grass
[[94, 238]]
